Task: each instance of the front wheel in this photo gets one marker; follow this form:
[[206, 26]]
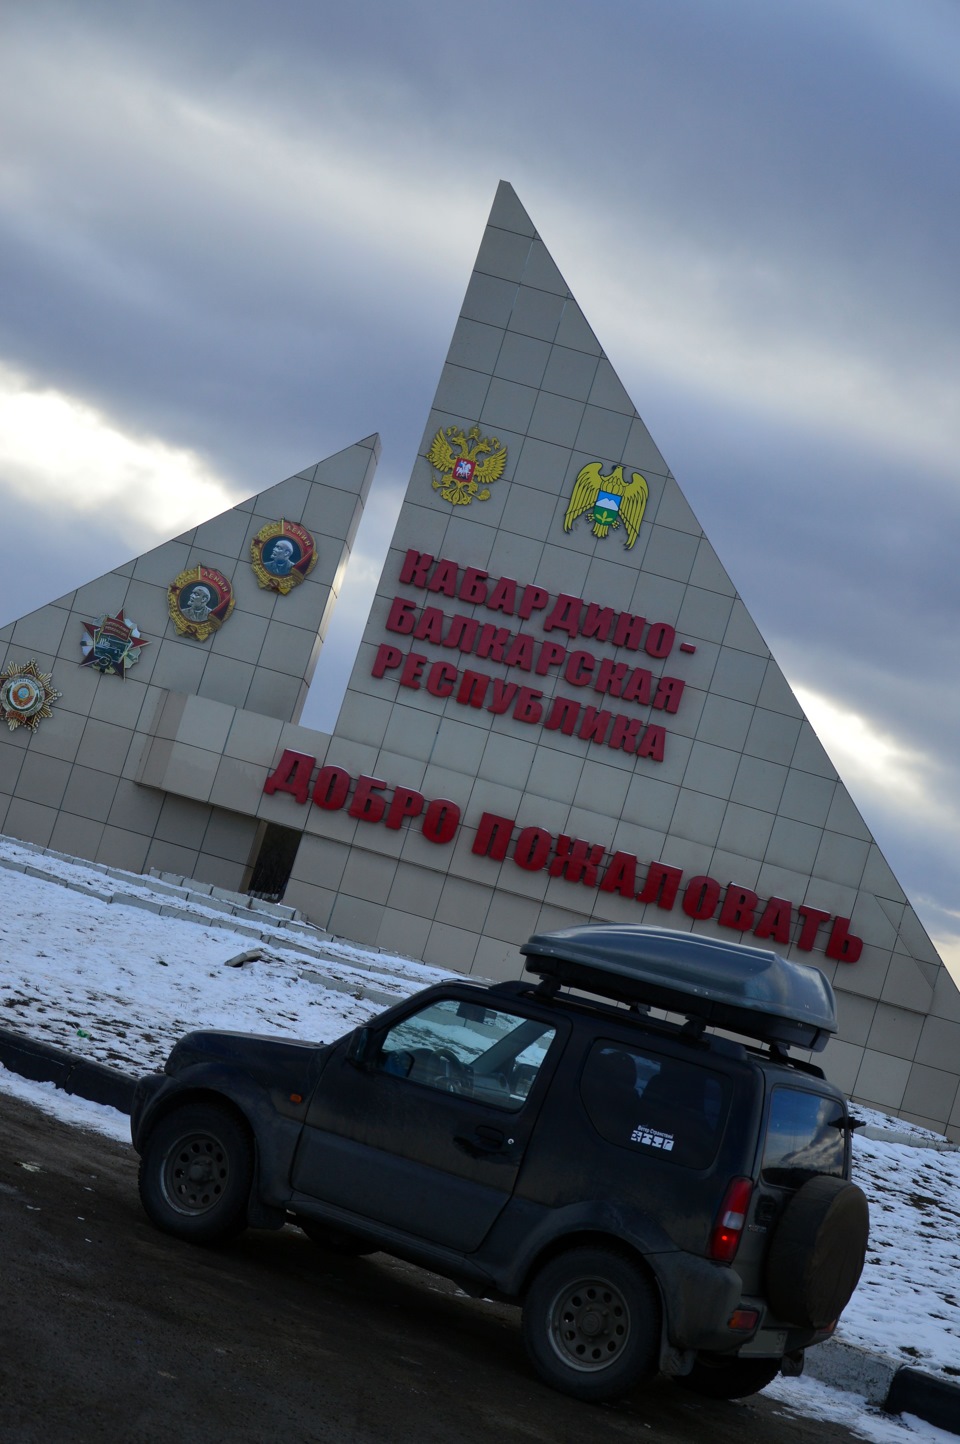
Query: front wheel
[[729, 1378], [195, 1173], [591, 1323]]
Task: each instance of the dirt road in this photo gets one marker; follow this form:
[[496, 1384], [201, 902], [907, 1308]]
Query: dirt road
[[110, 1331]]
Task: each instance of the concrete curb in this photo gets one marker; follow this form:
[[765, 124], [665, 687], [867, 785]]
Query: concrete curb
[[45, 1063], [927, 1396], [880, 1379]]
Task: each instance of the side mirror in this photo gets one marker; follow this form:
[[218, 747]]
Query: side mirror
[[357, 1052]]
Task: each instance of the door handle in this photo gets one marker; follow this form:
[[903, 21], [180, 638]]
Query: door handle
[[483, 1140]]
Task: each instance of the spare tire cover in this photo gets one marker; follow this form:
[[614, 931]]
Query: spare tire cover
[[816, 1255]]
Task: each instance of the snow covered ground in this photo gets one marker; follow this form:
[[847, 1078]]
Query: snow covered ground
[[118, 984]]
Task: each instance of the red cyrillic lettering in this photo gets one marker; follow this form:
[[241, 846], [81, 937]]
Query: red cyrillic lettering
[[503, 695], [291, 774], [812, 918], [503, 597], [739, 908], [520, 652], [534, 599], [844, 946], [406, 802], [625, 733], [660, 639], [563, 716], [386, 659], [621, 875], [493, 836], [444, 578], [576, 861], [654, 740], [415, 567], [331, 788], [595, 725], [431, 625], [629, 631], [401, 615], [661, 886], [532, 849], [462, 633], [638, 688], [700, 897], [440, 822], [669, 692], [492, 642], [551, 654], [598, 622], [366, 804], [579, 669], [441, 679], [472, 587], [529, 708], [565, 615], [412, 668], [611, 677], [775, 921], [473, 689]]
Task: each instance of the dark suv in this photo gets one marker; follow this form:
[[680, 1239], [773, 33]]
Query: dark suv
[[656, 1194]]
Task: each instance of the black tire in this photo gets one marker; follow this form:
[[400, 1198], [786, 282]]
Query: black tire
[[334, 1240], [591, 1324], [729, 1378], [195, 1173], [817, 1252]]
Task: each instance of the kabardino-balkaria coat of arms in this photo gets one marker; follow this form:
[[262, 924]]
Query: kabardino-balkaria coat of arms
[[467, 464], [608, 500]]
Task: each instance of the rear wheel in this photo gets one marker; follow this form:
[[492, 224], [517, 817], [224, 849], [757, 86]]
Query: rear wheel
[[591, 1323], [195, 1173], [729, 1378]]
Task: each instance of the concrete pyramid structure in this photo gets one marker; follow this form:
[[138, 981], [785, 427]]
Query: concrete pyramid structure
[[737, 820], [561, 709]]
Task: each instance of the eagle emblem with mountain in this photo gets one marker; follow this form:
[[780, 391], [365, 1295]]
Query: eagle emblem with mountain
[[608, 501]]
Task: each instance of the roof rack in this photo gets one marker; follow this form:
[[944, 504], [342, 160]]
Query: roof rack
[[751, 991]]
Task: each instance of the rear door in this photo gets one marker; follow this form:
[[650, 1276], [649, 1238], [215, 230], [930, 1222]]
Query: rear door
[[428, 1133], [805, 1134]]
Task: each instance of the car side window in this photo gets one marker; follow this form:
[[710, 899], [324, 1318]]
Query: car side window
[[468, 1048], [664, 1107], [805, 1136]]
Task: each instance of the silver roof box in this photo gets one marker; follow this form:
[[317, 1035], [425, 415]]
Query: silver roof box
[[744, 990]]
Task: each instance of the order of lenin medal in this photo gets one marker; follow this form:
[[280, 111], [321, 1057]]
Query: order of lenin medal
[[282, 553], [200, 601]]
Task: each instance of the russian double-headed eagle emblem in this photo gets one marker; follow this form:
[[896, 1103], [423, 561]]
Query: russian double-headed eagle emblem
[[26, 696], [467, 464], [609, 500]]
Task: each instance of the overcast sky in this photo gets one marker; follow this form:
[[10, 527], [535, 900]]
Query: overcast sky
[[235, 235]]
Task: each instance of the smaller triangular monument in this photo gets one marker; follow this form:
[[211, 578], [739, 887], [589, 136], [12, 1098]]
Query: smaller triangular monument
[[96, 686], [255, 587]]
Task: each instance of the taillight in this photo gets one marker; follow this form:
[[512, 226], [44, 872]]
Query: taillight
[[731, 1218]]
